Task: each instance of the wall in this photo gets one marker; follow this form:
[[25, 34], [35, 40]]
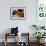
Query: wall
[[24, 25]]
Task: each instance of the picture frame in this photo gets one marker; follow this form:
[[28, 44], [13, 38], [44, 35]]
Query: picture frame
[[41, 12], [17, 13], [41, 8]]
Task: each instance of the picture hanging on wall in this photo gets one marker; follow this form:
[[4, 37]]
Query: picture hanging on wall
[[41, 8], [17, 13], [41, 12]]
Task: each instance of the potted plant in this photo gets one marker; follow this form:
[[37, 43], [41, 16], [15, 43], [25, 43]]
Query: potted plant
[[39, 36]]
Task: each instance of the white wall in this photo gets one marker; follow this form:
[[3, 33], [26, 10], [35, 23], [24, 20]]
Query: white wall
[[24, 25]]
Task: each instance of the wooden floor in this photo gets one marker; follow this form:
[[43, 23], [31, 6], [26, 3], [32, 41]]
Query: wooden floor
[[13, 44]]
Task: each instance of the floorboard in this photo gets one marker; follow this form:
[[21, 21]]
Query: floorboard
[[13, 44]]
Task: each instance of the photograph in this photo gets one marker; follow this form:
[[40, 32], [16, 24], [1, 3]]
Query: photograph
[[17, 13]]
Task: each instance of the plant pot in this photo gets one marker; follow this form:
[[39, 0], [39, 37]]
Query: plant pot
[[38, 40]]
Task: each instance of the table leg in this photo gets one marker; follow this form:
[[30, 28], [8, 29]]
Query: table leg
[[5, 40], [17, 39]]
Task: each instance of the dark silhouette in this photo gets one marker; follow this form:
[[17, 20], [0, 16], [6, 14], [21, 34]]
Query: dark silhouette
[[14, 12]]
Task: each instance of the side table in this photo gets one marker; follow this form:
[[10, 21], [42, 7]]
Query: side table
[[7, 35]]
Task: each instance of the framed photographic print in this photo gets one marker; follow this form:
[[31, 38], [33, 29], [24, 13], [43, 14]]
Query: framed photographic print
[[41, 8], [17, 13], [41, 12]]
